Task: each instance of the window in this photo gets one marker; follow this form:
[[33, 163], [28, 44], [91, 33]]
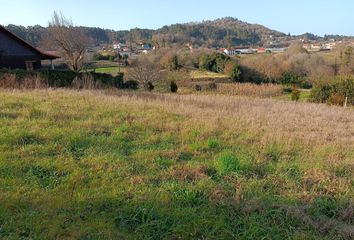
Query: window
[[30, 65]]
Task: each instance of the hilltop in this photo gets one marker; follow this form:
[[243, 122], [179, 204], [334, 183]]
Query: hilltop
[[221, 32]]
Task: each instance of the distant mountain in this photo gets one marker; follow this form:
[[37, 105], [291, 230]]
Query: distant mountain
[[224, 32]]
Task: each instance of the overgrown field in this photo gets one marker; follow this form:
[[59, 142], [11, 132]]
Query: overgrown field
[[120, 165]]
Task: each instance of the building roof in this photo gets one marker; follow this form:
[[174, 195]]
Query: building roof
[[44, 55]]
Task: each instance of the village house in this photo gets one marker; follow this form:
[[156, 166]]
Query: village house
[[231, 52], [16, 53]]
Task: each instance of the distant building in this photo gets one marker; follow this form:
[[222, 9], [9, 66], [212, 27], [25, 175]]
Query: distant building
[[261, 50], [231, 52], [16, 53]]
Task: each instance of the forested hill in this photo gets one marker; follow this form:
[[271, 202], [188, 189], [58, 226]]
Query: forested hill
[[222, 32]]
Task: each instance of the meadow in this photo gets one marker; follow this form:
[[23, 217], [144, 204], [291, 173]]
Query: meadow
[[139, 165]]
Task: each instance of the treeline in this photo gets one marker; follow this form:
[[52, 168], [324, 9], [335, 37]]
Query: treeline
[[224, 32], [220, 32], [35, 34]]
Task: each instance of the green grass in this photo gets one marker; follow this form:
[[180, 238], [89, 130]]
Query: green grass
[[196, 74], [110, 70], [81, 165], [304, 96]]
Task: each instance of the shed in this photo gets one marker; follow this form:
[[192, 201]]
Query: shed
[[15, 53]]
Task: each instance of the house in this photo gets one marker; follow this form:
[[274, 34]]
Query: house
[[231, 52], [261, 50], [16, 53]]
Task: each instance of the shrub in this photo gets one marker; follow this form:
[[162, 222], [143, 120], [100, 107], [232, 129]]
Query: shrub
[[174, 87], [59, 78], [149, 86], [131, 84], [233, 70], [174, 63], [336, 99], [108, 79], [335, 91], [295, 94], [306, 85], [212, 86], [198, 88], [100, 57], [214, 62], [292, 78]]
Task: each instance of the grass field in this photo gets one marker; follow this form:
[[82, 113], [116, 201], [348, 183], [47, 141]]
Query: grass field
[[110, 70], [134, 165], [196, 74]]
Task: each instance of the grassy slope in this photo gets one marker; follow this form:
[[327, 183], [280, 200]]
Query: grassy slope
[[84, 165]]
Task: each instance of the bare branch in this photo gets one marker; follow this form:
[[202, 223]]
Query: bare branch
[[68, 39]]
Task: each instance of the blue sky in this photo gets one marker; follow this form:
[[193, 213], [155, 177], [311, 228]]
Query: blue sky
[[315, 16]]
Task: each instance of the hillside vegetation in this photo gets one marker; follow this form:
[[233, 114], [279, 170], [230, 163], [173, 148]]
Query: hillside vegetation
[[219, 32], [125, 165]]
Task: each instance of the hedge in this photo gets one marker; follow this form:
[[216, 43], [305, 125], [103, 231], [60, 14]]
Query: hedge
[[61, 79]]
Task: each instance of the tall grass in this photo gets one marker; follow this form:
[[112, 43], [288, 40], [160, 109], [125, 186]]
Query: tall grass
[[250, 90]]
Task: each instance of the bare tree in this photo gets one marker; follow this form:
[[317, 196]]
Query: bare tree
[[144, 72], [68, 39]]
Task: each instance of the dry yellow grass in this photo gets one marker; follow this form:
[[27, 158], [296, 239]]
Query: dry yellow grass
[[196, 74], [250, 90], [279, 119], [309, 122]]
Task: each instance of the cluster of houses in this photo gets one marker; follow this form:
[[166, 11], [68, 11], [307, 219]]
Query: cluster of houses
[[309, 46], [237, 51], [133, 49], [319, 46]]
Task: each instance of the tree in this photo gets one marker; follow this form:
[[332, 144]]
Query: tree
[[174, 63], [68, 39], [214, 62], [144, 72], [233, 70]]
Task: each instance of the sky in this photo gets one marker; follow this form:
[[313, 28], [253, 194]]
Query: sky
[[295, 17]]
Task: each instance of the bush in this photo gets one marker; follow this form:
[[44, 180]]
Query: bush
[[198, 88], [336, 99], [174, 63], [212, 86], [108, 80], [149, 86], [59, 78], [131, 84], [100, 57], [214, 62], [174, 87], [335, 91], [233, 70], [295, 94], [306, 85], [292, 79]]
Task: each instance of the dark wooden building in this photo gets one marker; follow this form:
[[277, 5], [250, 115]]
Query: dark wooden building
[[16, 53]]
